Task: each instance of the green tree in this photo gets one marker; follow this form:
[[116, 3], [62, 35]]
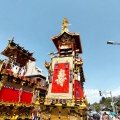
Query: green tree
[[96, 106], [108, 102], [102, 101], [118, 103]]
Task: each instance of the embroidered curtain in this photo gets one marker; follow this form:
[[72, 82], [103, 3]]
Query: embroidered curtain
[[9, 94], [60, 82], [26, 97], [78, 90]]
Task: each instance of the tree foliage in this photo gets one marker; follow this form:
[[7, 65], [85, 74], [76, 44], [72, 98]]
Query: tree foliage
[[106, 102], [96, 106]]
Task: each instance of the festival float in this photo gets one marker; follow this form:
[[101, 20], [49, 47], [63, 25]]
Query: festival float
[[65, 98], [26, 95], [22, 84]]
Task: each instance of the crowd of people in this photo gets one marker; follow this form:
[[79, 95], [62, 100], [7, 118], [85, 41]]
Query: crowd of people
[[103, 116]]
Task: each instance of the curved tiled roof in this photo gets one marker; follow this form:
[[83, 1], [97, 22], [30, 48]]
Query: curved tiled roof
[[22, 55], [76, 36]]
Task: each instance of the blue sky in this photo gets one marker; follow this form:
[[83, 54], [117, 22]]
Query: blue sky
[[34, 22]]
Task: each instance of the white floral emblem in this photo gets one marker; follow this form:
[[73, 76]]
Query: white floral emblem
[[61, 77]]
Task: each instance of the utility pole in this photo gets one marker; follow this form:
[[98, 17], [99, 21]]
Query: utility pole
[[112, 102]]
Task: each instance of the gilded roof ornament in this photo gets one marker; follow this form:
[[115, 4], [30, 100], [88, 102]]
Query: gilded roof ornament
[[65, 25]]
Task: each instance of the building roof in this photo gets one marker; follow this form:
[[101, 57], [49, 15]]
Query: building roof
[[75, 36], [33, 70], [14, 51]]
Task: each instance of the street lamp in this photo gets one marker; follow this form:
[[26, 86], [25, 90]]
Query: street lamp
[[112, 103], [113, 43]]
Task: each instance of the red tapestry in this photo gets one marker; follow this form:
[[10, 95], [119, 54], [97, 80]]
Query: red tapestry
[[26, 97], [60, 81], [78, 90], [9, 94]]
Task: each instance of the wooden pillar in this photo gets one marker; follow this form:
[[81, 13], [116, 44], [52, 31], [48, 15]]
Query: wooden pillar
[[39, 113], [50, 113], [81, 115], [68, 113], [59, 117]]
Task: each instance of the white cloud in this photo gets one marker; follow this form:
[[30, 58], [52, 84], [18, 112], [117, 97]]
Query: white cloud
[[94, 96], [116, 92]]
